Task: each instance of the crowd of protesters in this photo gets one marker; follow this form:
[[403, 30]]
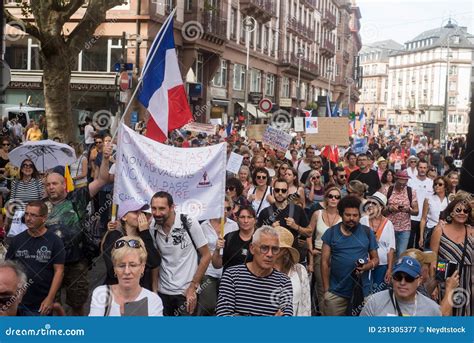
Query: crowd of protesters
[[377, 233]]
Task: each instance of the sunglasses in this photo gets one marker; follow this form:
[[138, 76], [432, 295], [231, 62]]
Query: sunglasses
[[230, 189], [228, 208], [440, 184], [264, 249], [280, 190], [133, 243], [462, 210], [316, 162], [332, 196], [246, 158], [261, 177], [6, 144], [400, 276], [27, 165], [315, 178], [342, 176]]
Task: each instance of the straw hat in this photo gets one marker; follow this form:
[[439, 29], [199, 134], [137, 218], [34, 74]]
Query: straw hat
[[286, 242], [381, 159]]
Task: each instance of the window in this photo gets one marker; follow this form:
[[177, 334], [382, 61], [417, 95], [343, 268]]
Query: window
[[115, 52], [239, 77], [94, 59], [452, 86], [285, 87], [188, 6], [265, 37], [220, 79], [270, 85], [233, 23], [452, 101], [338, 44], [199, 68], [169, 5], [17, 56], [453, 70], [255, 80]]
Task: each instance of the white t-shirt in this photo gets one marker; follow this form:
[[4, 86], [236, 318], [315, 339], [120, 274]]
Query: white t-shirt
[[436, 206], [179, 258], [211, 236], [386, 241], [423, 190], [412, 172], [88, 134], [99, 303]]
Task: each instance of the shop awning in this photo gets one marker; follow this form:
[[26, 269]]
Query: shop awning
[[254, 111]]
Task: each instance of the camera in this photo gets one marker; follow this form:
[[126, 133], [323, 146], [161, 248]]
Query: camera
[[444, 269]]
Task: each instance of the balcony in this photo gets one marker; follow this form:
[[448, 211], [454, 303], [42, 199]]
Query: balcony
[[298, 28], [214, 28], [346, 56], [290, 64], [327, 48], [262, 10], [311, 3], [329, 20]]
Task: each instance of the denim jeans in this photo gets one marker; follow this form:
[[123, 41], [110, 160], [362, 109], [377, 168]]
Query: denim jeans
[[378, 279], [401, 241], [427, 237]]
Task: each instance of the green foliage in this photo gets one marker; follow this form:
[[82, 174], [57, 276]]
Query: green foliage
[[24, 7]]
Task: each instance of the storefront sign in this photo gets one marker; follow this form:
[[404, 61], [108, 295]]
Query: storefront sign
[[285, 102], [255, 97]]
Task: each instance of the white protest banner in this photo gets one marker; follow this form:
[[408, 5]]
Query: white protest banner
[[234, 162], [299, 124], [209, 129], [195, 177], [216, 121], [277, 139], [311, 125]]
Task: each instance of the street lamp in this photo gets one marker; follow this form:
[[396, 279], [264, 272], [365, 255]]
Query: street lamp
[[249, 26], [299, 56]]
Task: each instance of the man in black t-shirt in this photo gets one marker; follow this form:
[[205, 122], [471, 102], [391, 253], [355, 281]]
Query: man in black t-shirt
[[287, 214], [366, 175], [42, 255]]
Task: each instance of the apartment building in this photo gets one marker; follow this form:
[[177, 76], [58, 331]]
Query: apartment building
[[313, 41]]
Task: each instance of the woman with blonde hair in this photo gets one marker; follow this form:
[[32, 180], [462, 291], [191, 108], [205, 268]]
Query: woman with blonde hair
[[314, 190], [245, 178], [127, 297]]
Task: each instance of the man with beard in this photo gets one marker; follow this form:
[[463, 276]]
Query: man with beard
[[344, 245], [179, 239]]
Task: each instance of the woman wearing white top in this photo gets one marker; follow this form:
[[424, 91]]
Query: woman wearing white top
[[321, 221], [79, 167], [210, 282], [129, 257], [432, 207], [385, 234], [287, 263], [261, 193]]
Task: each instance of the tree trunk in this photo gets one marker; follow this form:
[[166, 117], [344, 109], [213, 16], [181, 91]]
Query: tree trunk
[[57, 93]]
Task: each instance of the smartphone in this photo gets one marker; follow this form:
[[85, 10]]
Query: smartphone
[[445, 269]]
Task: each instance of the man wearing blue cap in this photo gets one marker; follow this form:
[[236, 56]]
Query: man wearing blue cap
[[403, 300]]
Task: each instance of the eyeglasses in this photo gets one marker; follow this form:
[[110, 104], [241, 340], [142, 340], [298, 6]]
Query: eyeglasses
[[133, 243], [412, 161], [400, 276], [316, 177], [332, 196], [27, 165], [440, 184], [463, 210], [280, 190], [261, 177], [264, 249], [131, 266], [230, 189]]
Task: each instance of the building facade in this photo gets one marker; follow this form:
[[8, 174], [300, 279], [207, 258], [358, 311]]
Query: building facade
[[314, 42], [430, 81], [374, 61]]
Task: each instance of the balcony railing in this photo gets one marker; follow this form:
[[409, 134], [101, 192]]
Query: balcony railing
[[299, 28], [292, 60], [328, 48], [329, 19], [214, 25], [262, 10]]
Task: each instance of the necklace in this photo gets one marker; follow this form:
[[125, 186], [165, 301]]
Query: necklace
[[331, 222]]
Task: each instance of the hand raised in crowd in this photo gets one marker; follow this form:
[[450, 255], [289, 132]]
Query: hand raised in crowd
[[112, 225], [220, 243], [143, 223], [107, 152]]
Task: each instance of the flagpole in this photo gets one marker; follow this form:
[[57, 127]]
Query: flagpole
[[140, 79]]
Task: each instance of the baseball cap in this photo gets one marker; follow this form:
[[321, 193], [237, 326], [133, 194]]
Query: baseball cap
[[408, 265], [130, 205]]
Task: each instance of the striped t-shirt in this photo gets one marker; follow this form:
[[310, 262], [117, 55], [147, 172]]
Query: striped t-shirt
[[241, 293], [23, 192]]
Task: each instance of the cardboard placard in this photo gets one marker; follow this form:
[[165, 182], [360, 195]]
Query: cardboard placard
[[256, 131], [277, 139], [331, 131]]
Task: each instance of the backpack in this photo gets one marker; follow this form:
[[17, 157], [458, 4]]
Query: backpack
[[409, 191]]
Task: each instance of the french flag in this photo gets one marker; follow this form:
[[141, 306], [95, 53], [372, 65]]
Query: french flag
[[228, 130], [162, 91], [363, 126]]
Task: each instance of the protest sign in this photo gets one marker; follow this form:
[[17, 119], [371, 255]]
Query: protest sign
[[360, 145], [194, 177], [256, 131], [311, 125], [234, 162], [209, 129], [331, 131], [216, 121], [277, 139], [299, 124]]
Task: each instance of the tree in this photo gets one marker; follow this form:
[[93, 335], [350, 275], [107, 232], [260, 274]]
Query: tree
[[45, 20]]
